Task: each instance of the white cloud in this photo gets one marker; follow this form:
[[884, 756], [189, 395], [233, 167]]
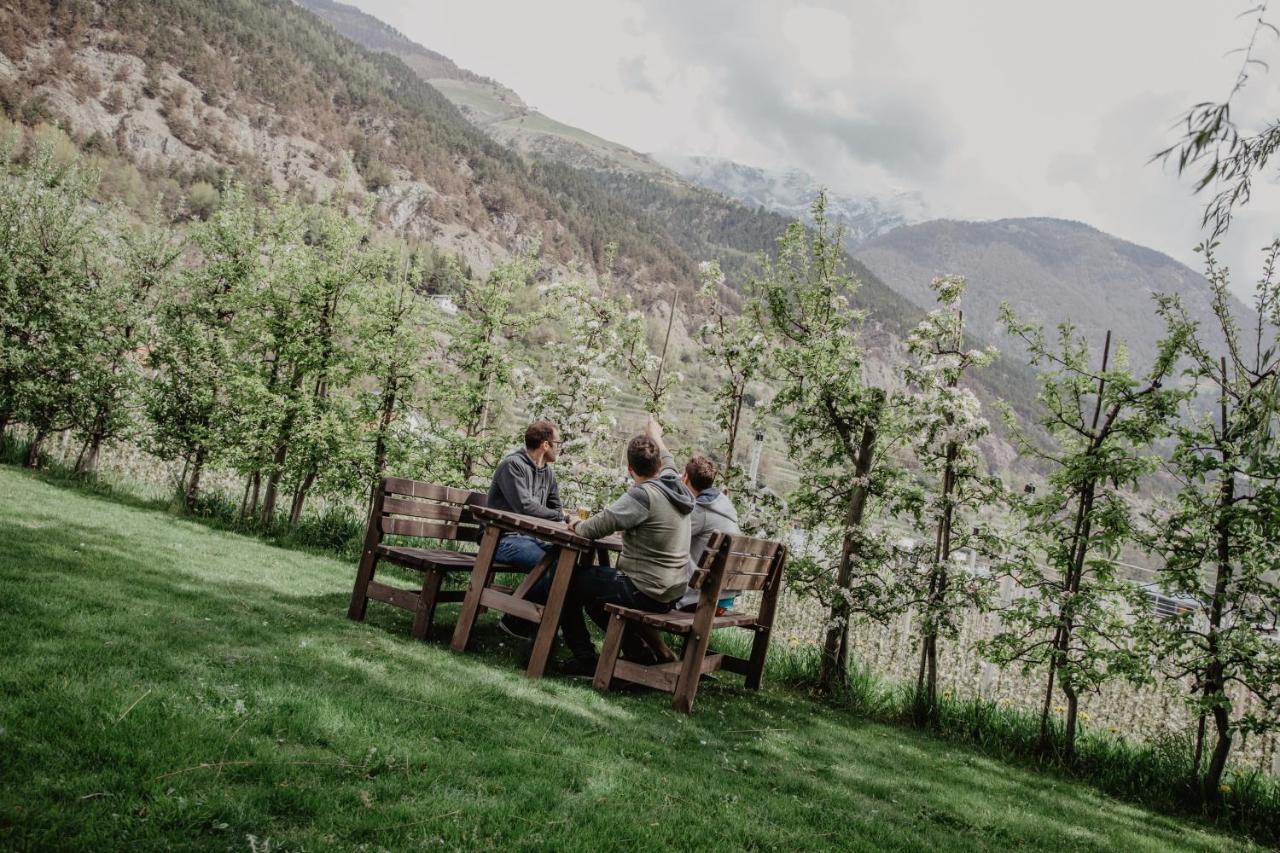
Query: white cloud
[[990, 109]]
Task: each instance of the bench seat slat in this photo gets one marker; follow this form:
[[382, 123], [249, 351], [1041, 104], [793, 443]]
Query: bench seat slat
[[427, 559], [679, 621]]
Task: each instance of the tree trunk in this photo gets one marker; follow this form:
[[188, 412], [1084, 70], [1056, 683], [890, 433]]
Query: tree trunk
[[273, 485], [1073, 709], [33, 451], [282, 452], [384, 424], [1215, 683], [300, 496], [927, 680], [734, 419], [244, 500], [1072, 580], [193, 485], [1042, 743], [1199, 756], [1212, 788], [87, 464], [835, 649]]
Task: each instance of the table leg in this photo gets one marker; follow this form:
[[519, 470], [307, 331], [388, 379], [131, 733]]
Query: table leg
[[535, 574], [479, 577], [551, 613]]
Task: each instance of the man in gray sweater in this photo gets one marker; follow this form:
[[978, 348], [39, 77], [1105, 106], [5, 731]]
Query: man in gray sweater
[[525, 483], [652, 571]]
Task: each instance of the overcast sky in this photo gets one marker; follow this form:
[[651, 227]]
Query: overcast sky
[[988, 109]]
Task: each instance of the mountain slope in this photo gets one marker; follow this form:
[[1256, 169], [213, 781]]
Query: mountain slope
[[1049, 270], [494, 108], [187, 91]]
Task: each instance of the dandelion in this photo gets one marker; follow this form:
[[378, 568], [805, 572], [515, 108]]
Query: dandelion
[[1226, 789], [1059, 708], [1084, 715]]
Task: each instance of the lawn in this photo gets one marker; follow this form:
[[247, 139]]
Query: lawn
[[169, 686]]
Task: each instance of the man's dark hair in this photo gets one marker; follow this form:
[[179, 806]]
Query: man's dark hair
[[701, 472], [643, 456], [538, 432]]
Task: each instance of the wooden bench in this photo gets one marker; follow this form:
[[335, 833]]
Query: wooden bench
[[730, 564], [423, 511]]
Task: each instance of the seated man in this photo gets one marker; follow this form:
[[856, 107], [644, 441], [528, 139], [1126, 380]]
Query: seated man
[[525, 483], [712, 511], [652, 570]]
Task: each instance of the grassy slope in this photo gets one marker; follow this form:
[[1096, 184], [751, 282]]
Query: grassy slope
[[167, 685]]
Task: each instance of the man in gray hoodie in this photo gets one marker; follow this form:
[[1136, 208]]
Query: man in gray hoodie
[[525, 483], [652, 571], [712, 511]]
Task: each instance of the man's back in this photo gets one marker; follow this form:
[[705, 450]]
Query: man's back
[[654, 520], [712, 511]]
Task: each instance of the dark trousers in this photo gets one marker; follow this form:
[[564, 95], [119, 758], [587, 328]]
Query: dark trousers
[[590, 590]]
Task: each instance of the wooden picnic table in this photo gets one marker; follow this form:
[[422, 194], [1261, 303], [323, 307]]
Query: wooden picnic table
[[481, 593]]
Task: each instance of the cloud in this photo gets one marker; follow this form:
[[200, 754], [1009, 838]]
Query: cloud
[[1027, 109], [635, 77], [807, 83]]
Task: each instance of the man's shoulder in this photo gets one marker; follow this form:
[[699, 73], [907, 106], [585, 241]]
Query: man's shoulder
[[516, 459]]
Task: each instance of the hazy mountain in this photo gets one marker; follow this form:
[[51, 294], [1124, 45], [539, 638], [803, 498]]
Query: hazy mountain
[[791, 193], [489, 105], [1049, 270]]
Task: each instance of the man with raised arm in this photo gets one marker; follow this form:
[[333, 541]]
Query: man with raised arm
[[652, 571]]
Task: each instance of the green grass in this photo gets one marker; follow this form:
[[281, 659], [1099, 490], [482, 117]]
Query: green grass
[[167, 685]]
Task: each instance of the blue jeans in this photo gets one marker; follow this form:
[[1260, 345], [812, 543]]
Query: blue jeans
[[589, 591], [523, 551]]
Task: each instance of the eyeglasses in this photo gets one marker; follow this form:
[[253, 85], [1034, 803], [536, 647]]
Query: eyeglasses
[[556, 442]]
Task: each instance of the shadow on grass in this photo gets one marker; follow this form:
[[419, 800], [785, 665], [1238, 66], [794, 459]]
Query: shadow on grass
[[191, 702]]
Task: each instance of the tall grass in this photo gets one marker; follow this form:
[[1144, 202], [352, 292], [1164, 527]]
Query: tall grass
[[1157, 773]]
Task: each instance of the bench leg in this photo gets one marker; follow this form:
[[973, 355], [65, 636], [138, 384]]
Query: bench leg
[[360, 594], [426, 612], [759, 651], [479, 578], [695, 649], [609, 653]]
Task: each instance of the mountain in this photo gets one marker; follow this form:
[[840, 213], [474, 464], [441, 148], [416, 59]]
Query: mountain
[[791, 193], [489, 105], [1049, 270], [168, 95], [169, 99]]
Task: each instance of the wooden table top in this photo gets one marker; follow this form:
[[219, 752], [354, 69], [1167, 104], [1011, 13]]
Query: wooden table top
[[542, 528]]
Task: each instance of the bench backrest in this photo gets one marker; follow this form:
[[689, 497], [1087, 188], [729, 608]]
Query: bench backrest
[[737, 563], [414, 508]]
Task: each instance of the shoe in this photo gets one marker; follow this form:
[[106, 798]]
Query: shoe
[[517, 628], [580, 667]]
